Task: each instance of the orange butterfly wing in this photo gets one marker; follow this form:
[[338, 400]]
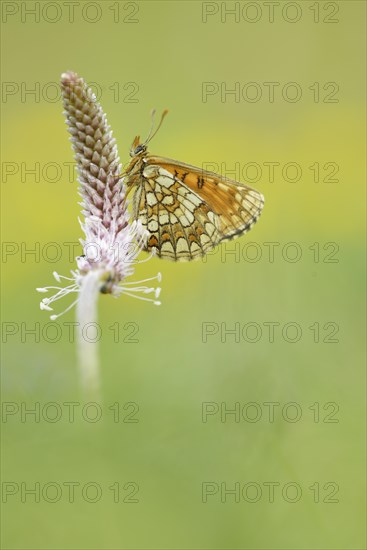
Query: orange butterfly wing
[[180, 224], [236, 205]]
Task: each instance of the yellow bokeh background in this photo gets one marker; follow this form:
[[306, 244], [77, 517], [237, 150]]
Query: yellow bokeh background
[[168, 56]]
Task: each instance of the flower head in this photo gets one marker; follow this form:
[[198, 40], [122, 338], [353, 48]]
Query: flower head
[[112, 242]]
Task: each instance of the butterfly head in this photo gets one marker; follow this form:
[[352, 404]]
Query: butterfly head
[[139, 149]]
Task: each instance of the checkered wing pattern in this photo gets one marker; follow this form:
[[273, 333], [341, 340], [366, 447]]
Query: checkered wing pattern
[[181, 225], [236, 205], [188, 211]]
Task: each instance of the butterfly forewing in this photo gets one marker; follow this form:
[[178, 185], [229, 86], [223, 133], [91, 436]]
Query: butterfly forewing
[[236, 205]]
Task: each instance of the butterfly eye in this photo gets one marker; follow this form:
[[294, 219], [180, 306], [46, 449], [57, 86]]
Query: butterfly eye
[[139, 149]]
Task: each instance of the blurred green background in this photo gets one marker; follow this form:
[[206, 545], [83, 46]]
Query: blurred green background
[[161, 54]]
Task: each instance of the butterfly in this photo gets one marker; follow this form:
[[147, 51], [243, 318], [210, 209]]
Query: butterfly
[[187, 211]]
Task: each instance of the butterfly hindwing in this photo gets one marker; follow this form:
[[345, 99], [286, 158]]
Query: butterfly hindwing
[[181, 225]]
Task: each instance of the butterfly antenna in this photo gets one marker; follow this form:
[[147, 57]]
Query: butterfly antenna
[[151, 135], [152, 115]]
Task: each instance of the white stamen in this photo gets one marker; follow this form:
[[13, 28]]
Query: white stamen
[[151, 255], [59, 277], [142, 298], [158, 278], [45, 306], [54, 317]]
